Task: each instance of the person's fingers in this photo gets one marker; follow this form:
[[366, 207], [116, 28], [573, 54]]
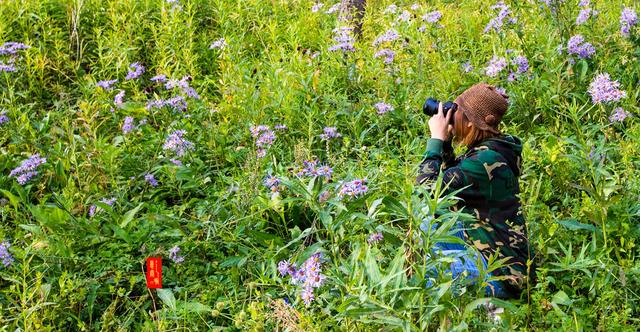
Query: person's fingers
[[440, 111], [449, 115]]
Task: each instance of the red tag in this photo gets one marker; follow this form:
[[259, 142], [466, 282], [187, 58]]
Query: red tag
[[154, 272]]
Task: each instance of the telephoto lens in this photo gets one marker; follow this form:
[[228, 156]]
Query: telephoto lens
[[430, 107]]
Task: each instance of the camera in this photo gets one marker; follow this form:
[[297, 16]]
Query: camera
[[430, 107]]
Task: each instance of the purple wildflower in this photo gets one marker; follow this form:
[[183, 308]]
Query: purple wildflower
[[176, 162], [603, 90], [584, 3], [325, 171], [583, 16], [173, 255], [375, 237], [353, 188], [628, 18], [495, 66], [467, 66], [151, 179], [128, 125], [271, 182], [333, 9], [119, 99], [432, 17], [261, 153], [391, 9], [344, 39], [387, 54], [177, 102], [497, 22], [95, 209], [106, 84], [309, 276], [4, 118], [577, 45], [315, 8], [522, 63], [329, 133], [280, 127], [389, 36], [618, 115], [136, 69], [383, 107], [284, 267], [176, 143], [159, 78], [5, 255], [27, 168], [405, 16], [7, 67], [12, 48], [266, 139], [256, 130], [220, 44]]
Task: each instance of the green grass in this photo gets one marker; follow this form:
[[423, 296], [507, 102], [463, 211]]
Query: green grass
[[77, 272]]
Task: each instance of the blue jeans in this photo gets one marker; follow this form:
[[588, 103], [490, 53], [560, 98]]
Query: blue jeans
[[464, 261]]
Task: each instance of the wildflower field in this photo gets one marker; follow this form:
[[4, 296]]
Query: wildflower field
[[267, 151]]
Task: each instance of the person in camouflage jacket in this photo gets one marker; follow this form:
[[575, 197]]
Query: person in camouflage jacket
[[488, 171]]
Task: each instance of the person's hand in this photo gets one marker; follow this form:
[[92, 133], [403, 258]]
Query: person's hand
[[439, 124]]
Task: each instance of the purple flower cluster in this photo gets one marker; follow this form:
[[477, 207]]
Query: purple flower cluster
[[107, 84], [280, 127], [353, 188], [467, 67], [497, 22], [272, 183], [135, 70], [618, 115], [576, 45], [344, 39], [11, 49], [628, 18], [151, 179], [495, 66], [27, 168], [93, 209], [375, 238], [173, 255], [5, 255], [127, 125], [311, 168], [383, 108], [330, 133], [389, 36], [333, 8], [585, 14], [316, 8], [183, 85], [220, 44], [264, 138], [309, 276], [3, 117], [118, 99], [392, 9], [387, 54], [603, 90], [405, 16], [432, 17], [159, 78], [178, 103], [176, 143]]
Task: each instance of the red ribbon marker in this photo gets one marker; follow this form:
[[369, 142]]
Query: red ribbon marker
[[154, 272]]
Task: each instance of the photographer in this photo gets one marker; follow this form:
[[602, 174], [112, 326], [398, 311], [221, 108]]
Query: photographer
[[488, 171]]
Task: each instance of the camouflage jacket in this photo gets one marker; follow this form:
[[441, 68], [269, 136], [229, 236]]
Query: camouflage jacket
[[491, 169]]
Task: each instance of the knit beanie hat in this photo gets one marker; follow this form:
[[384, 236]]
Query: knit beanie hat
[[483, 106]]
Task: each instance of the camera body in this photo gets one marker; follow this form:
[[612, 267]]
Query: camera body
[[430, 107]]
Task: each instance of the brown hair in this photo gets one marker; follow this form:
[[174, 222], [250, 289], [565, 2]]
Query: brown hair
[[468, 135]]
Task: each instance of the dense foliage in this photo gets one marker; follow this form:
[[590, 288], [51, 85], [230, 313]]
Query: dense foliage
[[268, 154]]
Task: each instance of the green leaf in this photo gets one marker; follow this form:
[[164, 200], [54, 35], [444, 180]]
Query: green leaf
[[12, 198], [575, 225], [166, 295], [392, 205], [194, 307], [129, 215]]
